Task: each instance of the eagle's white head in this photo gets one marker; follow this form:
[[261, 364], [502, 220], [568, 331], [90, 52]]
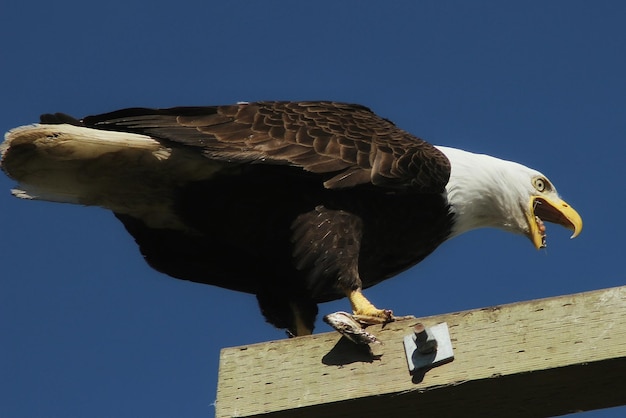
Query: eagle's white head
[[485, 191]]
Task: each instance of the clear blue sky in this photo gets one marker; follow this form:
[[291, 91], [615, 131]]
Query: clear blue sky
[[88, 329]]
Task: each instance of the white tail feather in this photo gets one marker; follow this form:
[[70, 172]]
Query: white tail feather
[[125, 172]]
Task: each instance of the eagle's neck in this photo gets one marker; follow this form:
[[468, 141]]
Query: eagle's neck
[[480, 195]]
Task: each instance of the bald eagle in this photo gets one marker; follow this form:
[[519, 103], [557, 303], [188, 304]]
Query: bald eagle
[[297, 203]]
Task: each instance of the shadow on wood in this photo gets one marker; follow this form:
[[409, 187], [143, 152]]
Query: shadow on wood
[[346, 352]]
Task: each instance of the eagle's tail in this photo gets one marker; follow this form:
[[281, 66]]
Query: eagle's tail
[[68, 163], [125, 172]]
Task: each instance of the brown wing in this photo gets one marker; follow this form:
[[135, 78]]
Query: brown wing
[[348, 141]]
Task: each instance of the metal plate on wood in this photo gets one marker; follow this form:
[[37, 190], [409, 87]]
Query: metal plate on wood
[[429, 348]]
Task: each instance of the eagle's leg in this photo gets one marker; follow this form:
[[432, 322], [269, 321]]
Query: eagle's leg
[[364, 311], [288, 309], [299, 324], [327, 244]]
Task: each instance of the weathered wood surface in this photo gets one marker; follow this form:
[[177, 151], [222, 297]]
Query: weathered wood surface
[[539, 358]]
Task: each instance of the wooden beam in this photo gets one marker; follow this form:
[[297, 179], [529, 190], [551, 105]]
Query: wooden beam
[[539, 358]]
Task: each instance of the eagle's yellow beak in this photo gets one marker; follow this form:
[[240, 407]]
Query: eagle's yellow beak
[[550, 210]]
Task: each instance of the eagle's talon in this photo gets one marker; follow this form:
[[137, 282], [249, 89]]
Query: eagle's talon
[[365, 312], [374, 317]]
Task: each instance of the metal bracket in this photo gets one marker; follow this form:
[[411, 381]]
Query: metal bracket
[[428, 347]]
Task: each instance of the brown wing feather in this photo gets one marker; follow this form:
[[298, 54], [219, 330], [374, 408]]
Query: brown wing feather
[[326, 245], [346, 140]]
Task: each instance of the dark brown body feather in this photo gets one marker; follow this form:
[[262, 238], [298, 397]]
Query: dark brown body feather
[[313, 198]]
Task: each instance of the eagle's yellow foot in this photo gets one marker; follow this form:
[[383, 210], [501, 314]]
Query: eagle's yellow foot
[[365, 312]]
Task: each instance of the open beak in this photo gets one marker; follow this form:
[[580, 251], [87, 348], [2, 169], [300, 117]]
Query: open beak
[[554, 211]]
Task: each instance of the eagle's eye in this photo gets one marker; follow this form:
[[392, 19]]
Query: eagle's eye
[[541, 184]]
